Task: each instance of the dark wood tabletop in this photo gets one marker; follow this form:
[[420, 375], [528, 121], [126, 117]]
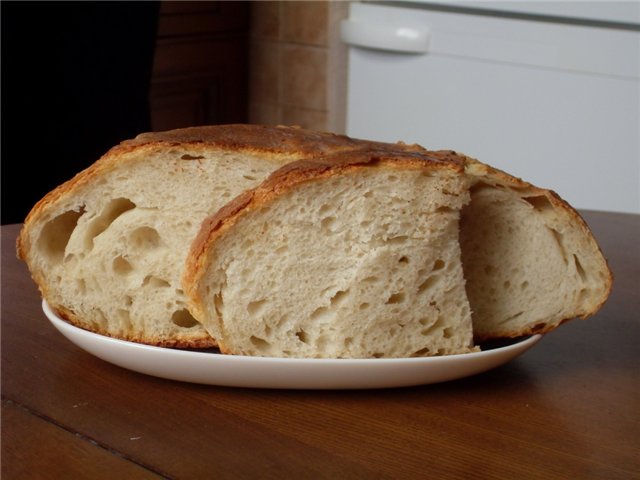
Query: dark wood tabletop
[[569, 408]]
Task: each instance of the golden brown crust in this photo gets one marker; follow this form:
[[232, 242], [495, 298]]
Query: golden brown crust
[[259, 138]]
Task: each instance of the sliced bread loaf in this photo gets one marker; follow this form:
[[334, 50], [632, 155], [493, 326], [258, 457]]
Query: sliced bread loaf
[[354, 255], [312, 245], [108, 247], [529, 258]]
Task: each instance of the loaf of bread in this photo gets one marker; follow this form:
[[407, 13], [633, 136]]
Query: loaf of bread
[[108, 247], [279, 241]]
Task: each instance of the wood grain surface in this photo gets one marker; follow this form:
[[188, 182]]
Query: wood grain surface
[[568, 408]]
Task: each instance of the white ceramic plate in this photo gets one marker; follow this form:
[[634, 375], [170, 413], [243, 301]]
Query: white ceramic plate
[[266, 372]]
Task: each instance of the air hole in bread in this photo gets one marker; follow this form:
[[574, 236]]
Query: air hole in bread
[[396, 298], [339, 297], [110, 213], [423, 352], [445, 209], [319, 313], [128, 301], [428, 284], [398, 240], [327, 223], [56, 233], [302, 336], [182, 318], [324, 209], [438, 265], [260, 343], [144, 238], [583, 294], [249, 177], [282, 249], [437, 325], [557, 236], [404, 259], [524, 285], [186, 156], [218, 304], [579, 269], [539, 202], [155, 282], [121, 266], [255, 308]]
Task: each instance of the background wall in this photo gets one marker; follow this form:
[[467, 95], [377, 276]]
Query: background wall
[[298, 64]]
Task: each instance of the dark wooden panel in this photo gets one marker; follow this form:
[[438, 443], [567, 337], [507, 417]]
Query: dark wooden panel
[[191, 18], [200, 65]]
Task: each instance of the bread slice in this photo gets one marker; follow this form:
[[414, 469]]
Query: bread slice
[[107, 248], [530, 260], [355, 255]]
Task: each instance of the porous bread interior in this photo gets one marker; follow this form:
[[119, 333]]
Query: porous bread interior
[[527, 268], [360, 265], [112, 254]]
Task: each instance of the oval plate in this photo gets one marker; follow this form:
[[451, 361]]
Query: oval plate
[[213, 368]]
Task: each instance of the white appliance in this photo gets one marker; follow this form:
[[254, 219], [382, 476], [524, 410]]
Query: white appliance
[[548, 91]]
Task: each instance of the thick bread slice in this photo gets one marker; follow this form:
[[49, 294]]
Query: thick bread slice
[[354, 255], [107, 248], [529, 259]]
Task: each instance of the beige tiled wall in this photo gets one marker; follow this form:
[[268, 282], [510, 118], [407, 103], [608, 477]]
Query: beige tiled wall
[[298, 64]]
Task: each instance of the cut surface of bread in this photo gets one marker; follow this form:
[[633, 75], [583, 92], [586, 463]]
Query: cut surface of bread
[[355, 256], [529, 259], [107, 248]]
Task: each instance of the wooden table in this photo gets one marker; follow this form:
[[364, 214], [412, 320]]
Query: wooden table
[[569, 408]]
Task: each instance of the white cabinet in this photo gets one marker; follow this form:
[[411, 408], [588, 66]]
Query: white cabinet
[[553, 100]]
